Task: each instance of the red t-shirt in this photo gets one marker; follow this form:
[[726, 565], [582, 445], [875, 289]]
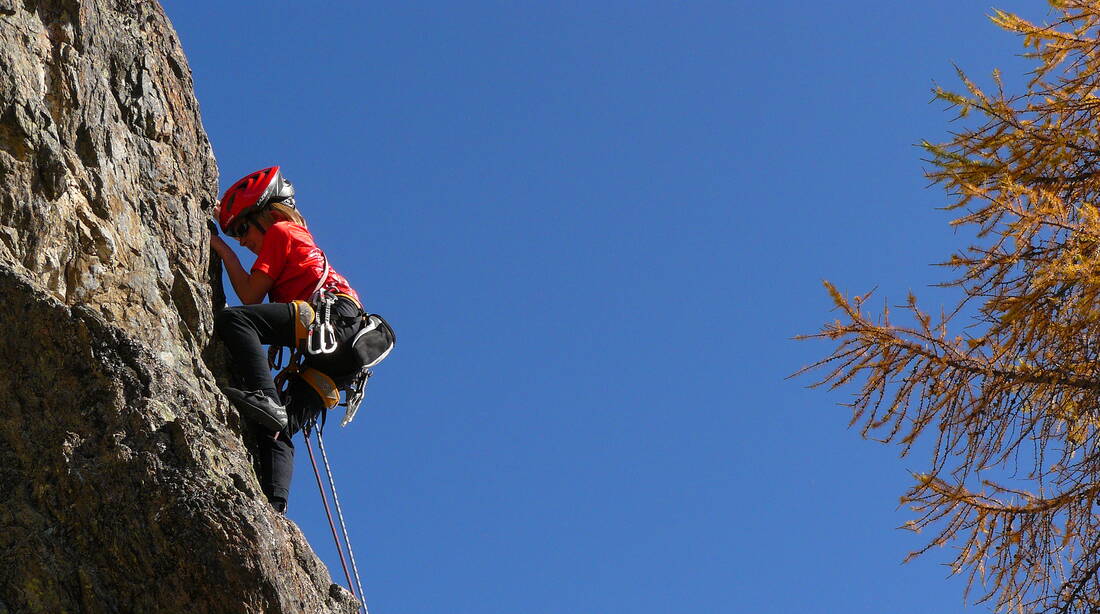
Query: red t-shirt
[[291, 258]]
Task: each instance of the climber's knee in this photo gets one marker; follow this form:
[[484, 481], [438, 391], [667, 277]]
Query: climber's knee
[[225, 319]]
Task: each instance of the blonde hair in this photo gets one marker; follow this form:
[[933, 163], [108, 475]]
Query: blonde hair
[[279, 211]]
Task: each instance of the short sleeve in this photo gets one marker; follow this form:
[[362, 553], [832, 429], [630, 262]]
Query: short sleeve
[[273, 255]]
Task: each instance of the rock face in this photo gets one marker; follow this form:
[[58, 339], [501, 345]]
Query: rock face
[[124, 482]]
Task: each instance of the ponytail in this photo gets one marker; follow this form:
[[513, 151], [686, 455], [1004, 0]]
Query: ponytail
[[280, 211]]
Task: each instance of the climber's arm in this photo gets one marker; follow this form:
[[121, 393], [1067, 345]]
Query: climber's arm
[[250, 287]]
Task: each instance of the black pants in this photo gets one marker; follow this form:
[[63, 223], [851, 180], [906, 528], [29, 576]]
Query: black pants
[[245, 330]]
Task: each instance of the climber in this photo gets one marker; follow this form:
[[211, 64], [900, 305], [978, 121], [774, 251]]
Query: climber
[[312, 308]]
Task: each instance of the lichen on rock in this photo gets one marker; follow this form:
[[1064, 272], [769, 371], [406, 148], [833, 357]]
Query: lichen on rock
[[126, 483]]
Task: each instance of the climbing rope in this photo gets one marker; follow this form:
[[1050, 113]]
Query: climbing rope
[[332, 526], [340, 515]]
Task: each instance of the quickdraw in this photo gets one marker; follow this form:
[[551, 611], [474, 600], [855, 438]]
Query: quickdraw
[[355, 394], [321, 336]]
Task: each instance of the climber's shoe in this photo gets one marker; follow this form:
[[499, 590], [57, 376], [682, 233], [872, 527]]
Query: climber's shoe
[[278, 504], [258, 407]]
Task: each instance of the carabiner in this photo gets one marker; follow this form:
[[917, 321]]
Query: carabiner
[[328, 338], [324, 342]]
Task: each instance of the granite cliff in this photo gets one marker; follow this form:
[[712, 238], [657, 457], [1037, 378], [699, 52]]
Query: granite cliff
[[125, 482]]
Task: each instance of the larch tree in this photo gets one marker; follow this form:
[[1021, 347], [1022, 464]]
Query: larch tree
[[1003, 389]]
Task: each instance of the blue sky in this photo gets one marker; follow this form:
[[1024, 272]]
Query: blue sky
[[595, 227]]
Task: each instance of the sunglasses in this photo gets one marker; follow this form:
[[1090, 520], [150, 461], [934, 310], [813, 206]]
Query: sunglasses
[[239, 230]]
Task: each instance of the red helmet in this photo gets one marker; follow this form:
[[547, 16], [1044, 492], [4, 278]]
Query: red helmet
[[252, 193]]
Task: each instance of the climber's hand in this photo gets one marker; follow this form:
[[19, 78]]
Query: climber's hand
[[220, 246]]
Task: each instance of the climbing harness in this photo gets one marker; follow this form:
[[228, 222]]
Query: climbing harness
[[339, 513], [315, 335]]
